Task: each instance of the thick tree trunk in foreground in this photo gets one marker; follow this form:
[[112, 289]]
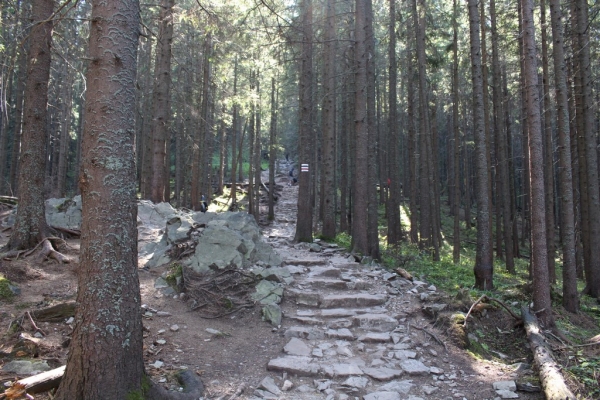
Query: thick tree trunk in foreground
[[484, 268], [30, 224], [105, 357]]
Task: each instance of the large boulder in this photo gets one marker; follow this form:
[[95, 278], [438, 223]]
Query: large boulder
[[64, 213]]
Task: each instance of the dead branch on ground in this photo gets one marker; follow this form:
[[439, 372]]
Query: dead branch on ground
[[485, 297]]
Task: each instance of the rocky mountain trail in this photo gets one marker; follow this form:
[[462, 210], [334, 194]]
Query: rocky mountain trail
[[267, 318]]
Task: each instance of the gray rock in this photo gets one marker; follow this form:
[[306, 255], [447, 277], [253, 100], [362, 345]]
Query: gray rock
[[353, 300], [405, 354], [414, 367], [343, 334], [301, 366], [358, 382], [381, 395], [174, 328], [315, 248], [337, 370], [272, 313], [263, 394], [64, 213], [287, 385], [507, 394], [428, 390], [304, 333], [383, 373], [297, 347], [402, 387], [269, 385], [160, 283], [268, 292], [375, 322], [505, 385], [375, 337], [25, 367], [322, 384]]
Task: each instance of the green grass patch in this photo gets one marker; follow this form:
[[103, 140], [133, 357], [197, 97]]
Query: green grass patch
[[6, 293]]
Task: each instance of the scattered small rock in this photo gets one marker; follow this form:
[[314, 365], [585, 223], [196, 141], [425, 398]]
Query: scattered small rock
[[174, 328]]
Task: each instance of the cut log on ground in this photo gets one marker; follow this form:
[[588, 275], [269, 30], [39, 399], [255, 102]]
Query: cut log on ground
[[36, 384], [553, 383], [56, 313]]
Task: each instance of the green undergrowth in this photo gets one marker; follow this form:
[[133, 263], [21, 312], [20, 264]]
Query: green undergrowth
[[6, 294]]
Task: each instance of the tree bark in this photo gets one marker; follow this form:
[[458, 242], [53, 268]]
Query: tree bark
[[503, 191], [567, 218], [329, 97], [105, 358], [272, 152], [305, 142], [30, 223], [456, 137], [484, 268], [539, 256], [161, 110], [393, 207]]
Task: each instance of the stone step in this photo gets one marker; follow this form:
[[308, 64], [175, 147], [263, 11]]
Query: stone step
[[353, 300], [306, 262], [334, 284]]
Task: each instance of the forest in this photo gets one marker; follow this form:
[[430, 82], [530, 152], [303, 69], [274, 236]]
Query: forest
[[456, 130]]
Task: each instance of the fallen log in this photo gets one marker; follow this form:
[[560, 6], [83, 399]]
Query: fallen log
[[553, 382], [55, 313], [36, 384]]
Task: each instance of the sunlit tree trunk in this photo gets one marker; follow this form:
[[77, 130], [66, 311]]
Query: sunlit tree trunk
[[161, 109], [30, 223], [272, 152]]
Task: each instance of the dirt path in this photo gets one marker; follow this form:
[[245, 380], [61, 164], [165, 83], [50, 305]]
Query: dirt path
[[347, 332]]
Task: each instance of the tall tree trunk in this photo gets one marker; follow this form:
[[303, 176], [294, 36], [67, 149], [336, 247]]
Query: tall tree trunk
[[567, 218], [161, 109], [272, 152], [393, 207], [360, 202], [539, 255], [105, 358], [148, 123], [503, 190], [30, 224], [234, 138], [16, 143], [222, 153], [329, 96], [305, 211], [484, 267], [65, 138], [590, 150], [548, 148], [372, 217], [456, 137], [257, 151]]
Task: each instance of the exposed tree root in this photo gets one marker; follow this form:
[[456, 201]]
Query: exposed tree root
[[47, 251], [432, 335], [35, 384], [553, 383], [485, 297]]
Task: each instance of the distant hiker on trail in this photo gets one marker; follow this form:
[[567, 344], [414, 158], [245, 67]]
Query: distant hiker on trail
[[203, 205], [293, 179]]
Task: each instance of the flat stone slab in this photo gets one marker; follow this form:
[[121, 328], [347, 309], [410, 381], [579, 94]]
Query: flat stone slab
[[359, 382], [308, 262], [353, 300], [405, 354], [343, 334], [301, 366], [337, 370], [324, 271], [306, 320], [325, 283], [375, 337], [383, 373], [303, 332], [414, 367], [382, 396], [403, 387], [303, 297], [297, 347], [505, 385], [269, 385], [375, 322]]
